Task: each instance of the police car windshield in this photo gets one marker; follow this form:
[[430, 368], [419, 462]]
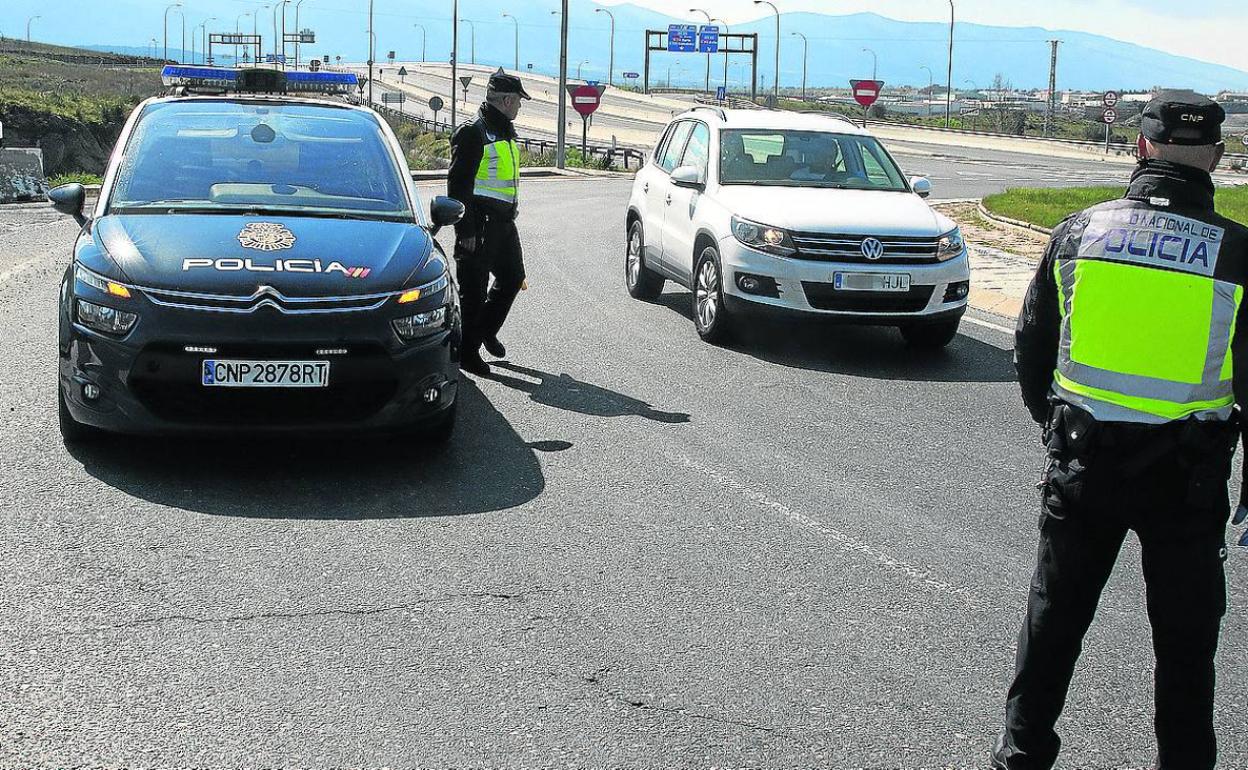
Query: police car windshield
[[806, 159], [222, 156]]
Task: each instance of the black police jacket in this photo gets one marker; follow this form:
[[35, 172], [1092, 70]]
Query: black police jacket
[[467, 149]]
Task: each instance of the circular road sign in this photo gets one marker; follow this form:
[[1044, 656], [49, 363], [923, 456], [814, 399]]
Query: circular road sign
[[586, 98], [436, 104], [1246, 140], [1110, 116], [1111, 99], [314, 65]]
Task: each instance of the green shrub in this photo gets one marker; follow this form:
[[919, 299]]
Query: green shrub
[[77, 176]]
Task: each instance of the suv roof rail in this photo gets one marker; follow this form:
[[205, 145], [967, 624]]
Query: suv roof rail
[[826, 114], [717, 110]]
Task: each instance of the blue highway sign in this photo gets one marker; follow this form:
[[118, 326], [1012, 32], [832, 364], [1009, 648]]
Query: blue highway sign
[[708, 39], [682, 38]]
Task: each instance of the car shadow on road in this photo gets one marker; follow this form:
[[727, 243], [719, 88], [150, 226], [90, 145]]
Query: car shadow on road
[[860, 351], [486, 467], [563, 391]]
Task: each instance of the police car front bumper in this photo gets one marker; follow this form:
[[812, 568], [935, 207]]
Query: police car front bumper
[[150, 381]]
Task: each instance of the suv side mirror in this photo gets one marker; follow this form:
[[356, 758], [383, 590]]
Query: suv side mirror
[[69, 199], [445, 212], [689, 176], [921, 185]]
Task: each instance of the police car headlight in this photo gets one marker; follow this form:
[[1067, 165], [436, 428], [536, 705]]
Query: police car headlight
[[101, 283], [413, 327], [951, 245], [105, 319], [772, 240]]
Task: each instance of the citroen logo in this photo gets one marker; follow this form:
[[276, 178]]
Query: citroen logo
[[872, 249]]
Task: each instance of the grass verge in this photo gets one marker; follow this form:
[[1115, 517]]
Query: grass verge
[[1048, 207]]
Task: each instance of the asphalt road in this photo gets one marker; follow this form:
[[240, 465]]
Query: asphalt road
[[811, 548]]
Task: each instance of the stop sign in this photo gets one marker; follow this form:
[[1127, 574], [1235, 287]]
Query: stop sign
[[586, 99], [866, 92]]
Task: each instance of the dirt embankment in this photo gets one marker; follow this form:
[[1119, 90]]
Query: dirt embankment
[[68, 144]]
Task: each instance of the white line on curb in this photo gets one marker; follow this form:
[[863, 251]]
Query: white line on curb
[[988, 325]]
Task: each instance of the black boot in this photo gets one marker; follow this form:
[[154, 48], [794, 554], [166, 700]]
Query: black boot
[[473, 364], [494, 347]]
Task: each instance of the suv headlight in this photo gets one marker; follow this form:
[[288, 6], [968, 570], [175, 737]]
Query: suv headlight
[[951, 245], [413, 327], [772, 240], [105, 319]]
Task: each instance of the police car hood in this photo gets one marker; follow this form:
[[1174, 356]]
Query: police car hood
[[233, 255], [823, 210]]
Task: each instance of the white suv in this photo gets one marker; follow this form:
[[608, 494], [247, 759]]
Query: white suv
[[792, 213]]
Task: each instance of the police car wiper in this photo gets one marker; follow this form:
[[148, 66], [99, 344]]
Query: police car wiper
[[274, 211]]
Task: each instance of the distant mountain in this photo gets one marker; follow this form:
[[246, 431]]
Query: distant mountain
[[1019, 55]]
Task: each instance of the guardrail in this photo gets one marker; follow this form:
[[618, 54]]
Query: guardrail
[[628, 157]]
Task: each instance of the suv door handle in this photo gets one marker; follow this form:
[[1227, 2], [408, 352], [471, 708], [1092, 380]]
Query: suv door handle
[[669, 199], [645, 188]]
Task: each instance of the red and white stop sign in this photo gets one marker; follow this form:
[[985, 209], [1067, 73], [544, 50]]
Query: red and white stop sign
[[866, 92], [586, 99]]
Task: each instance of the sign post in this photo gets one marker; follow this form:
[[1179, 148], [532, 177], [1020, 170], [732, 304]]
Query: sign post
[[436, 104], [585, 100], [866, 93], [1109, 117], [402, 74], [394, 97]]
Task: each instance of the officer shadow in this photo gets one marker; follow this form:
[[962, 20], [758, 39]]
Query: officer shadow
[[562, 391], [333, 477], [872, 352]]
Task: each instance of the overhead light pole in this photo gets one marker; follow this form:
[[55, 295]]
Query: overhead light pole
[[561, 143], [423, 40], [931, 87], [949, 90], [578, 68], [167, 10], [776, 85], [28, 22], [472, 48], [204, 50], [517, 44], [372, 51], [454, 59], [237, 26], [611, 48], [279, 35], [255, 19], [875, 63], [805, 58], [721, 21], [298, 30], [708, 56]]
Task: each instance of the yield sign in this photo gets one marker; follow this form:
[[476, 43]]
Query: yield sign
[[586, 99], [466, 80], [866, 92]]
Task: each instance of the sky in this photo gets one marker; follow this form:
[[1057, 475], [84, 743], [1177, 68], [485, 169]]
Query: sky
[[1208, 30]]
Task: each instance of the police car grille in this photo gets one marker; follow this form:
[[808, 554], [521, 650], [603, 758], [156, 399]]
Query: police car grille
[[270, 299], [898, 250]]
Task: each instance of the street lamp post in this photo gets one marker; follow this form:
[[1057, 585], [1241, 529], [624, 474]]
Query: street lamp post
[[167, 10], [578, 68], [204, 50], [28, 21], [561, 141], [805, 54], [708, 56], [516, 48], [875, 63], [721, 21], [237, 25], [974, 123], [776, 85], [279, 35], [949, 90], [931, 82], [372, 52], [423, 40], [298, 44], [454, 58], [611, 55]]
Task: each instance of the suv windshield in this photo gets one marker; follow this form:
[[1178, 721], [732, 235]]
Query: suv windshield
[[806, 159], [226, 156]]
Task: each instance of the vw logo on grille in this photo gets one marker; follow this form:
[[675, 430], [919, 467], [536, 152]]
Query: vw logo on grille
[[872, 249]]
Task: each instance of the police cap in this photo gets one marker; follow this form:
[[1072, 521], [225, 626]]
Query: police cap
[[1184, 118], [501, 82]]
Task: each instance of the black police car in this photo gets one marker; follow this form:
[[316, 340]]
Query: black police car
[[257, 262]]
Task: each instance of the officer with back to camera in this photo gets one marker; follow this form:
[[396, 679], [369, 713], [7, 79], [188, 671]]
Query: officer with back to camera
[[1132, 351], [485, 177]]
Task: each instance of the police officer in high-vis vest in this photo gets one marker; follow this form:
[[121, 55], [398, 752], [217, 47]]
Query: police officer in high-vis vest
[[1132, 352], [485, 177]]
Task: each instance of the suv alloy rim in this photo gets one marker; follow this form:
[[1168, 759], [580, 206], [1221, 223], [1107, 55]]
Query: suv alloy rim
[[707, 293], [634, 256]]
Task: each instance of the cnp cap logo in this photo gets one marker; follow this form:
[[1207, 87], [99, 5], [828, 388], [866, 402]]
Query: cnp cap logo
[[872, 249], [266, 236]]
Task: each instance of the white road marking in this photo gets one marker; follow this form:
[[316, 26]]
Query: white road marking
[[988, 325]]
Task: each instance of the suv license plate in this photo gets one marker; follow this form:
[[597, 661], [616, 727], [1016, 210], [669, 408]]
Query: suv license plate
[[265, 374], [899, 282]]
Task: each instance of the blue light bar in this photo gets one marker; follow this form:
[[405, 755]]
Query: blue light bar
[[228, 79]]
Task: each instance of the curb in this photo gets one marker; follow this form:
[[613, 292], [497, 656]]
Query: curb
[[1016, 223]]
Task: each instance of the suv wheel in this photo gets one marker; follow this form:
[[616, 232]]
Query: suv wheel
[[643, 283], [931, 336], [710, 317]]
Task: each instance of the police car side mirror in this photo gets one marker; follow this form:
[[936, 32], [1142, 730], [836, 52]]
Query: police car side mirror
[[444, 212], [69, 199], [921, 185]]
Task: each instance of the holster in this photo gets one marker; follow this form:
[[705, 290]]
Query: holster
[[1071, 436]]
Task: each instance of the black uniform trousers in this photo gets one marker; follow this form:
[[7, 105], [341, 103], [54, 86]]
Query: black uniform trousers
[[485, 307], [1179, 509]]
